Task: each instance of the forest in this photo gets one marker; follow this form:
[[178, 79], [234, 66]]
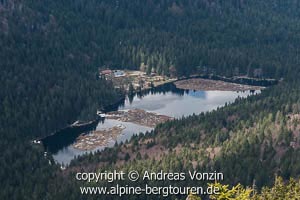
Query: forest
[[50, 55]]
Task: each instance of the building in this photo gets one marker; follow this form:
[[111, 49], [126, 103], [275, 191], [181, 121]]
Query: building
[[106, 72]]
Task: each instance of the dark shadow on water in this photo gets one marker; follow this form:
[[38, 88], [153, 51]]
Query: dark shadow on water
[[162, 89], [67, 136]]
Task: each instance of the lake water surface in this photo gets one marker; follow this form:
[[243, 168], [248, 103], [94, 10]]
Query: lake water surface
[[165, 100]]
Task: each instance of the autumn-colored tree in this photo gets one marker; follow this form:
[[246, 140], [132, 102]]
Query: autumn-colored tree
[[237, 192]]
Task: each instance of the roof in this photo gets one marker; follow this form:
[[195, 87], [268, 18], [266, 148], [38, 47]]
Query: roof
[[107, 71]]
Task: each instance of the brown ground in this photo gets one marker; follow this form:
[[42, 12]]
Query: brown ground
[[103, 137], [138, 116], [206, 84], [97, 138]]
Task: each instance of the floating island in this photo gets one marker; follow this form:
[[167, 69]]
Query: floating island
[[101, 138], [98, 138], [138, 116], [207, 84]]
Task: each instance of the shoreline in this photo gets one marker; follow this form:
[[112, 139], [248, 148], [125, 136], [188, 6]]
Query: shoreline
[[213, 85], [114, 106]]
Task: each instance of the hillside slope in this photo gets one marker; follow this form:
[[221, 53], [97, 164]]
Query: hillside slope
[[51, 51]]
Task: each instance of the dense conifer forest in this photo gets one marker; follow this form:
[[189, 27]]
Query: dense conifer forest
[[50, 53]]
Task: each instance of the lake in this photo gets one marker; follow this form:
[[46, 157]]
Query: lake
[[166, 100]]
